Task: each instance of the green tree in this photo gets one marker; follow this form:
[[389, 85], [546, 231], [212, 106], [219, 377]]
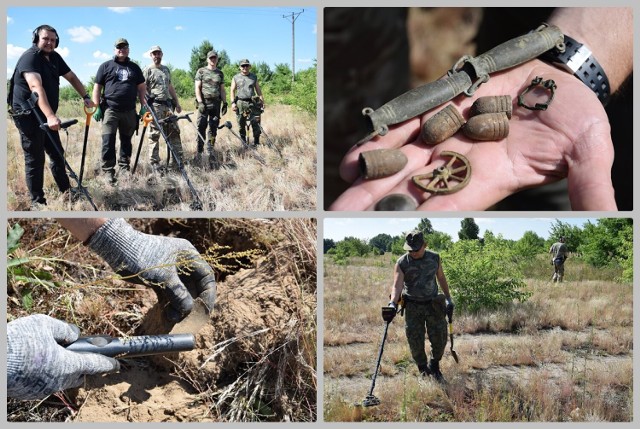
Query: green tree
[[469, 230], [425, 226], [573, 235], [183, 83], [397, 247], [199, 57], [529, 245], [606, 241], [382, 242], [352, 246], [438, 241]]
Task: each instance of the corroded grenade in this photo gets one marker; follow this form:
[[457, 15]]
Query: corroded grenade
[[492, 104], [442, 125], [396, 202], [487, 126], [378, 163]]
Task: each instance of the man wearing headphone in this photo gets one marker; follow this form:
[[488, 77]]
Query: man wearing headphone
[[39, 70]]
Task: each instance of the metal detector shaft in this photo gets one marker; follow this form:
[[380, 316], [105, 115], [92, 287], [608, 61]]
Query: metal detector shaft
[[89, 112], [144, 345], [375, 373], [146, 119], [246, 145], [33, 101], [151, 110]]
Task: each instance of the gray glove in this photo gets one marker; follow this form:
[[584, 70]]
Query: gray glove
[[37, 365], [171, 265], [202, 108]]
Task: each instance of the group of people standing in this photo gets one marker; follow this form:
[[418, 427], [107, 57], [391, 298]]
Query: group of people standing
[[119, 84]]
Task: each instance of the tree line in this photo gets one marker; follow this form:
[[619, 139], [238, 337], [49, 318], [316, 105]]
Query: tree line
[[278, 85]]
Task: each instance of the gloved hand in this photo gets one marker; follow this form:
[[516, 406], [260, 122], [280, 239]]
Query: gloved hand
[[98, 114], [171, 265], [37, 365], [392, 304], [223, 110], [143, 110], [450, 306], [202, 108]]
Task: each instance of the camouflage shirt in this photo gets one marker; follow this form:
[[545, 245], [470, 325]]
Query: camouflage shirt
[[559, 250], [158, 80], [420, 276], [245, 85], [211, 80]]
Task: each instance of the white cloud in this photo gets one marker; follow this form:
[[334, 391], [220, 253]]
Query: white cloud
[[9, 20], [101, 55], [178, 28], [14, 52], [84, 34], [315, 29], [167, 8], [304, 60], [120, 9], [64, 52]]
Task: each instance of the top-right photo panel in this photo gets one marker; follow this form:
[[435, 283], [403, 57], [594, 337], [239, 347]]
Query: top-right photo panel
[[465, 109]]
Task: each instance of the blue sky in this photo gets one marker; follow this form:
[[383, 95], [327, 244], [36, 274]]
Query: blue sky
[[87, 35], [510, 228]]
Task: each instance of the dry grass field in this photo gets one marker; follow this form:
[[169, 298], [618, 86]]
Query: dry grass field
[[244, 180], [564, 355]]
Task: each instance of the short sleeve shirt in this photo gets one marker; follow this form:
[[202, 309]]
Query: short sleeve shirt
[[420, 275], [158, 80], [33, 61], [245, 85], [120, 81], [212, 81], [559, 250]]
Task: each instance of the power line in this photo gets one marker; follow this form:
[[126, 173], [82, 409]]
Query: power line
[[293, 17]]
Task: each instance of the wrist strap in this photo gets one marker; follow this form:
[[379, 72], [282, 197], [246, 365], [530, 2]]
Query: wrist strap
[[578, 60]]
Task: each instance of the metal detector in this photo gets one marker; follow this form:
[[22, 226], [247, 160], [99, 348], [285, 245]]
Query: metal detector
[[246, 145], [33, 103]]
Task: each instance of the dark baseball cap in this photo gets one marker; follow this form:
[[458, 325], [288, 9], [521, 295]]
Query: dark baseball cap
[[212, 54], [414, 241], [245, 62], [121, 41]]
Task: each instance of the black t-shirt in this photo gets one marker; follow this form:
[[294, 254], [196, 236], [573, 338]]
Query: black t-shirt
[[120, 81], [33, 61]]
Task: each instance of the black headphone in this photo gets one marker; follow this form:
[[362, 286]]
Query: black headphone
[[36, 34]]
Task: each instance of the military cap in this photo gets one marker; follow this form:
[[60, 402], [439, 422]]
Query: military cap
[[121, 41], [414, 241], [155, 48], [245, 62], [212, 53]]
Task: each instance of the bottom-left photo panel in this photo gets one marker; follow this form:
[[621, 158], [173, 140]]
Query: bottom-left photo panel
[[161, 320]]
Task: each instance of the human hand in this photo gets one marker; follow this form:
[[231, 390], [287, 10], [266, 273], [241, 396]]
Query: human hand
[[450, 307], [38, 365], [143, 110], [234, 107], [171, 265], [53, 122], [201, 107], [572, 138], [99, 114]]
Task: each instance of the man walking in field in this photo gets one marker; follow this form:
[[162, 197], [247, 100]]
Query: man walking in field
[[558, 253], [158, 80], [212, 103], [247, 101], [415, 276], [38, 70]]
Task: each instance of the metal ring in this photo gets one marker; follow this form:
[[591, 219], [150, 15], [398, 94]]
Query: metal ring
[[537, 81]]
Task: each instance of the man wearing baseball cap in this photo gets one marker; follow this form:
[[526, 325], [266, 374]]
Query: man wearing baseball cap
[[118, 82], [415, 276], [212, 104], [159, 87], [247, 101]]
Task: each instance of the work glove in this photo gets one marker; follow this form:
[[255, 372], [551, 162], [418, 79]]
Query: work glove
[[223, 110], [143, 110], [202, 108], [450, 306], [171, 265], [37, 365], [98, 114]]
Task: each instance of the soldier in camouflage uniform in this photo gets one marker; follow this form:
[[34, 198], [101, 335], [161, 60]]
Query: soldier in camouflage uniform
[[248, 102], [558, 255], [415, 281], [212, 103], [158, 79]]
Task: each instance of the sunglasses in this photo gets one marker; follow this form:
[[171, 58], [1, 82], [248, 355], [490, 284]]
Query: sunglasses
[[245, 65], [214, 57], [122, 47]]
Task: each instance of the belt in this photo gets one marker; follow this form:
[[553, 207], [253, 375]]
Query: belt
[[418, 301], [245, 99], [163, 102]]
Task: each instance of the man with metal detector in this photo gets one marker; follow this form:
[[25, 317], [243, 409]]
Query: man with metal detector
[[247, 101], [415, 276], [558, 253], [158, 81], [38, 70], [118, 82], [212, 103]]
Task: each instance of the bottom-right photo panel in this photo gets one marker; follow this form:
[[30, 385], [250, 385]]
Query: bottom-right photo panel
[[478, 319]]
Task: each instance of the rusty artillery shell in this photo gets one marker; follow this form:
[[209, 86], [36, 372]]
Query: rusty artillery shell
[[397, 203], [487, 126], [492, 104], [442, 125], [378, 163]]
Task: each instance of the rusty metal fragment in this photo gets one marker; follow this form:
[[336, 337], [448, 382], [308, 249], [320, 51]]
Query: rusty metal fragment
[[546, 84], [396, 202], [487, 127], [492, 104], [448, 178], [378, 163], [442, 125]]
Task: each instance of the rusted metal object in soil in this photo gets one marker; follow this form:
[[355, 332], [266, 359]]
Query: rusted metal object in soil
[[378, 163], [448, 178]]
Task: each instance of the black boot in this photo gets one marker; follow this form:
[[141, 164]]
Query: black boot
[[434, 366], [256, 141], [425, 371]]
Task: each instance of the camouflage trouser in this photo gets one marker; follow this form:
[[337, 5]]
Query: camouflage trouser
[[209, 118], [558, 269], [248, 113], [426, 317], [171, 130]]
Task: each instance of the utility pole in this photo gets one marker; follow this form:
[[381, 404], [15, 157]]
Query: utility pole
[[293, 18]]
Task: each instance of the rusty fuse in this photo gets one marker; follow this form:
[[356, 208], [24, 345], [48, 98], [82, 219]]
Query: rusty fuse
[[487, 126], [492, 104], [442, 125], [378, 163], [466, 75]]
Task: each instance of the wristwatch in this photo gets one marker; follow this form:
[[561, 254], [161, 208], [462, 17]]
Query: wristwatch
[[578, 60]]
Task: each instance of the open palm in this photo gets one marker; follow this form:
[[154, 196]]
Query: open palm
[[572, 139]]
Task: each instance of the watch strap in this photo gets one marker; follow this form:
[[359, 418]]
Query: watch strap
[[578, 59]]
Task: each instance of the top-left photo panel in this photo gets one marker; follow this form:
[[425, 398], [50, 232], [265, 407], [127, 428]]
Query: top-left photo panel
[[161, 109]]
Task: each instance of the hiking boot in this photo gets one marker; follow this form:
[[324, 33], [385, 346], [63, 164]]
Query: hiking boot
[[198, 158], [111, 175], [425, 371], [435, 371]]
